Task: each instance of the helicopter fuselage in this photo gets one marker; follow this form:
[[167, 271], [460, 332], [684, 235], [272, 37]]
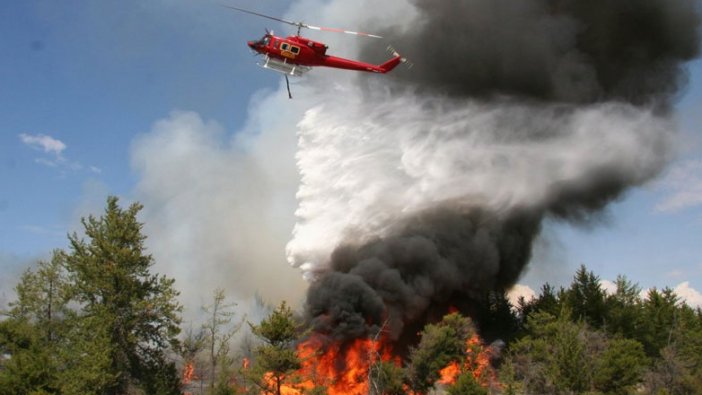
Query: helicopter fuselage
[[286, 54]]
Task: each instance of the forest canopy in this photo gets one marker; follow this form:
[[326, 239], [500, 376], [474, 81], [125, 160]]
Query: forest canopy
[[95, 319]]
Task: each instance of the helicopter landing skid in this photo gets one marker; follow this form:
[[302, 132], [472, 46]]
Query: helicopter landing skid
[[282, 66]]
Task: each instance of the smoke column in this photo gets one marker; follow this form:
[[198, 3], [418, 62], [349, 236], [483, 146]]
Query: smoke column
[[426, 188]]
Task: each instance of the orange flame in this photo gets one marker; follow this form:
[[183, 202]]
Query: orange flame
[[188, 372], [477, 362], [450, 373], [344, 369]]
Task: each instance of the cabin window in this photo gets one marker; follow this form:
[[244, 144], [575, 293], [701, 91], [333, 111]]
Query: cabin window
[[284, 46], [295, 50]]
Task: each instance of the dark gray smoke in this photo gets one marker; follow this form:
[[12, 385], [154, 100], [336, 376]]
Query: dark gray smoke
[[578, 51], [515, 110], [431, 260]]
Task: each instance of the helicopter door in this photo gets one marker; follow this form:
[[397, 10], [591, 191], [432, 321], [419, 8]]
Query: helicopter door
[[289, 51]]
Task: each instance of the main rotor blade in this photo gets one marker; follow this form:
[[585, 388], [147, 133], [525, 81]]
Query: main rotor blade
[[264, 16], [331, 29], [300, 24]]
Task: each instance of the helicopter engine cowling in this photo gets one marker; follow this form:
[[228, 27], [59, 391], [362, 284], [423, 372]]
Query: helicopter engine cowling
[[317, 47]]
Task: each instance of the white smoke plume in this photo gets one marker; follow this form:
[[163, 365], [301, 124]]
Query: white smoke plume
[[366, 165], [375, 170], [216, 211]]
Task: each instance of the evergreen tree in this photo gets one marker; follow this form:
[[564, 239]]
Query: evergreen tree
[[136, 311], [276, 360], [649, 345], [620, 366], [440, 344], [688, 340], [387, 379], [85, 366], [466, 385], [586, 299], [32, 334], [534, 359], [624, 309], [27, 366], [678, 370], [672, 374], [497, 317], [546, 302], [570, 360], [560, 356], [218, 333], [527, 366], [43, 296], [657, 320], [191, 347]]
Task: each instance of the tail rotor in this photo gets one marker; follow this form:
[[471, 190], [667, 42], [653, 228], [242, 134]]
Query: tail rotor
[[404, 60]]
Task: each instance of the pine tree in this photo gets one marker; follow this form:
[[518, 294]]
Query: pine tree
[[26, 366], [43, 296], [497, 317], [33, 332], [620, 366], [466, 385], [546, 302], [133, 311], [624, 308], [388, 379], [440, 344], [558, 355], [218, 333], [276, 360], [657, 320], [586, 298]]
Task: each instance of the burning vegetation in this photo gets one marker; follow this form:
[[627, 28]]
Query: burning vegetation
[[580, 339], [447, 351]]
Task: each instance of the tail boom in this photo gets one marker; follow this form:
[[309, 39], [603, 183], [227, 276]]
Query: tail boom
[[348, 64]]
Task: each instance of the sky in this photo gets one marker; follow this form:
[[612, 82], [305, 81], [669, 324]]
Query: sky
[[161, 102]]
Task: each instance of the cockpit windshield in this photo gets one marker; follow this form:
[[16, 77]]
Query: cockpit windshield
[[265, 40]]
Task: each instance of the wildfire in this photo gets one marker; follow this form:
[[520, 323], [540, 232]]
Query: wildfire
[[188, 372], [477, 362], [344, 369]]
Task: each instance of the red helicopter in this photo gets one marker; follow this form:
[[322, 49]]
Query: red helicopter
[[296, 55]]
